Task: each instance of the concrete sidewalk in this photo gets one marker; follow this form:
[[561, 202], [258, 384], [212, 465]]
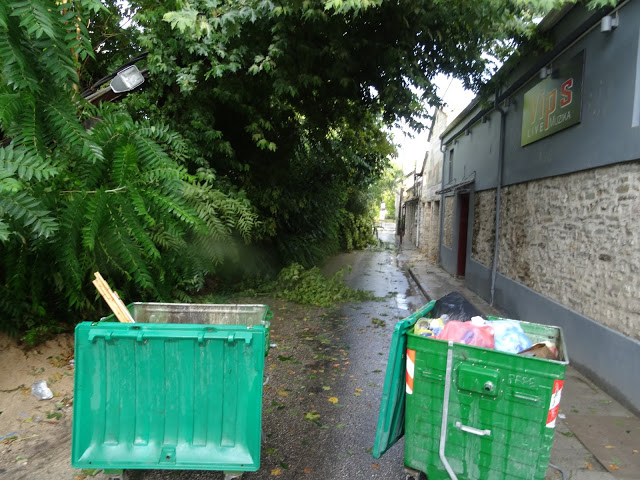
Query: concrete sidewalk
[[582, 401]]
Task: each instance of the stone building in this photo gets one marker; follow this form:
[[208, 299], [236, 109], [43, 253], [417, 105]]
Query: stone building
[[539, 199], [409, 214], [431, 180], [420, 206]]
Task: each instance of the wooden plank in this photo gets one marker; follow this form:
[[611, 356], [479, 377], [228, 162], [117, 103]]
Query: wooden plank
[[113, 300]]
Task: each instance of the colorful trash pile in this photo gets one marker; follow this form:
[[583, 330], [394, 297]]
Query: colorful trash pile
[[457, 320]]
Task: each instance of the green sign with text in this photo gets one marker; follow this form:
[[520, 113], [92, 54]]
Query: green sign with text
[[554, 103]]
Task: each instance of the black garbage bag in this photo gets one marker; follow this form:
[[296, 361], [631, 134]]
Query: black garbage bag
[[456, 307]]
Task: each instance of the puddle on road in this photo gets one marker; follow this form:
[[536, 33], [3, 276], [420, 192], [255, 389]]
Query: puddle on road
[[409, 303], [401, 301]]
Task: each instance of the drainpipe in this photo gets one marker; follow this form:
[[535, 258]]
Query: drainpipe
[[418, 214], [441, 205], [399, 211], [494, 270]]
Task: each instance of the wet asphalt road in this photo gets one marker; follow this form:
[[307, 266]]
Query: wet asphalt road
[[321, 406]]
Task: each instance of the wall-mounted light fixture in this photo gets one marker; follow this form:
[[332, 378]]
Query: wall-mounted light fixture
[[545, 72], [609, 23]]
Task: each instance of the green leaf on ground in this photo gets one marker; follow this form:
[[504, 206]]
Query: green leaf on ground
[[312, 416]]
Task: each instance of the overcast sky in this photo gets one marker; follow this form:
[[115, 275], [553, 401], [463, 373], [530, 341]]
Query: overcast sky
[[412, 150]]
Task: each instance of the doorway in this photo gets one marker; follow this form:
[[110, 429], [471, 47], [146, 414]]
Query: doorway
[[462, 234]]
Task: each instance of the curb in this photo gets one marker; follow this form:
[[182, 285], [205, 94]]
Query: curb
[[420, 287]]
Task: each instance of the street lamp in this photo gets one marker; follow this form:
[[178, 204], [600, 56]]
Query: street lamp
[[126, 80]]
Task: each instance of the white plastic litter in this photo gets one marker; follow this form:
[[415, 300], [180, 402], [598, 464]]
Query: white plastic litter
[[41, 391]]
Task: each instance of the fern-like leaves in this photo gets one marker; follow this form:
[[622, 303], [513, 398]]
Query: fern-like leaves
[[115, 198]]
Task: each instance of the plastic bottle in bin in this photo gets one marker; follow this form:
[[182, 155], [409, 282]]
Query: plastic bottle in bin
[[422, 328], [437, 325], [429, 327]]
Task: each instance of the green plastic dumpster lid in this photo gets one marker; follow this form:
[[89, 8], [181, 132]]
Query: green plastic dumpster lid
[[391, 417], [168, 396]]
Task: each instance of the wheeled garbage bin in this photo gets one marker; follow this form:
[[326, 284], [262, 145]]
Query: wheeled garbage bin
[[179, 389], [468, 412]]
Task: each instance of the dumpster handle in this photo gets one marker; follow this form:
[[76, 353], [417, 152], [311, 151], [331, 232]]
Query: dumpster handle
[[475, 431], [173, 335], [445, 412]]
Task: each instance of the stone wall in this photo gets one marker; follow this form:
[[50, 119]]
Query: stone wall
[[410, 223], [449, 205], [424, 225], [430, 233], [433, 239], [484, 227], [575, 239]]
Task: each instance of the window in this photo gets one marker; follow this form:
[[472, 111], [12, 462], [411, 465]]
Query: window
[[451, 165]]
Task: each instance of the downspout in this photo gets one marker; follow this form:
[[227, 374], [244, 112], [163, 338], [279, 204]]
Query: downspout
[[440, 236], [398, 205], [417, 242], [494, 270], [420, 196]]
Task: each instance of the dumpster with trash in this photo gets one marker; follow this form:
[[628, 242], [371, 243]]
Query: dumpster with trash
[[181, 388], [472, 412]]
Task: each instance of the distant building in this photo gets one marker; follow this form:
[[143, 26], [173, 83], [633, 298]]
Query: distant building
[[431, 181]]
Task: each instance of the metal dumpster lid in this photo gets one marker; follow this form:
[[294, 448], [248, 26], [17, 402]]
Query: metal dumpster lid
[[391, 417]]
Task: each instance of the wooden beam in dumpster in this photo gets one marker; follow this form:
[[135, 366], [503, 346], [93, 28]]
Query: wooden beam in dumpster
[[113, 300]]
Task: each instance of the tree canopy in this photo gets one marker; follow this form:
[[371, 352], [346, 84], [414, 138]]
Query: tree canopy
[[255, 141]]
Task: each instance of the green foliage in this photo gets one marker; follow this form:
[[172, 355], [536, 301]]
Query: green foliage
[[36, 44], [132, 213], [385, 190], [115, 198], [261, 122], [112, 34], [41, 332], [356, 232], [287, 103], [311, 287], [320, 50]]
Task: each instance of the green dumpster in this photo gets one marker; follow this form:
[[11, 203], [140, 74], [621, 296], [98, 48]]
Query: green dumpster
[[470, 413], [179, 389]]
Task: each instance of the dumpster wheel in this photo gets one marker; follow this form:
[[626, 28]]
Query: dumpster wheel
[[412, 474], [233, 475], [420, 476], [118, 475]]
